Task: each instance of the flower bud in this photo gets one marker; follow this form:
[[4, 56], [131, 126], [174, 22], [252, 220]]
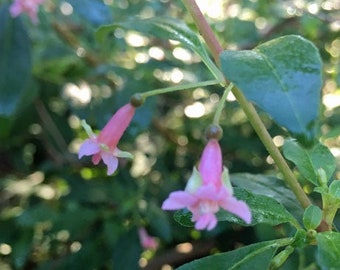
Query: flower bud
[[213, 132], [137, 100]]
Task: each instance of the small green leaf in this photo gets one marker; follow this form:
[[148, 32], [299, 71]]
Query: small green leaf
[[15, 62], [283, 78], [312, 217], [164, 28], [328, 252], [334, 189], [263, 209], [183, 217], [259, 254], [310, 160]]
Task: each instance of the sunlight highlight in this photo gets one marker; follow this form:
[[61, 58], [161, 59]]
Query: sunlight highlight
[[136, 40], [195, 110], [78, 95], [66, 8]]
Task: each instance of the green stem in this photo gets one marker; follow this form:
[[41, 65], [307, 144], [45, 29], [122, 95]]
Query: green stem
[[274, 152], [220, 105], [212, 42], [179, 88]]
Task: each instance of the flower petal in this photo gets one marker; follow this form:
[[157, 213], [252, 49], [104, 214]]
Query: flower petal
[[114, 129], [178, 200], [238, 208], [96, 158], [89, 147], [207, 221], [207, 192], [146, 240], [210, 165], [111, 161]]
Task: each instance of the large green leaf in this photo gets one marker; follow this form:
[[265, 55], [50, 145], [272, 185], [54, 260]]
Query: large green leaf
[[269, 186], [263, 209], [328, 253], [309, 160], [165, 28], [15, 62], [258, 255], [283, 77]]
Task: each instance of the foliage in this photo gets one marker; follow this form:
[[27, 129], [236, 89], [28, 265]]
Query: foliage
[[84, 61]]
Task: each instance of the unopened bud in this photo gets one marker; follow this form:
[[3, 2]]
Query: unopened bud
[[213, 132], [137, 100], [322, 177], [280, 258]]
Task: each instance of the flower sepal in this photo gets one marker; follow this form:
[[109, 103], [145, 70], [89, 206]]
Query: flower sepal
[[226, 180], [123, 154], [194, 182], [87, 129]]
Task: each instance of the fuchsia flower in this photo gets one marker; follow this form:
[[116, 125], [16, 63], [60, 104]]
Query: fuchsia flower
[[147, 241], [104, 146], [31, 7], [207, 190]]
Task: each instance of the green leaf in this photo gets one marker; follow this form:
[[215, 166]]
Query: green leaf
[[312, 217], [159, 222], [283, 78], [164, 28], [334, 189], [127, 251], [328, 252], [259, 254], [15, 61], [269, 186], [263, 209], [183, 217], [308, 161]]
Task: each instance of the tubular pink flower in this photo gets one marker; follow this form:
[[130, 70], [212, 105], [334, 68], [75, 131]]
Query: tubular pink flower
[[104, 146], [208, 190], [30, 7], [147, 241]]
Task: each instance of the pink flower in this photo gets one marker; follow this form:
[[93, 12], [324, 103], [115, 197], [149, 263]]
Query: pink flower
[[208, 190], [147, 241], [104, 146], [31, 7]]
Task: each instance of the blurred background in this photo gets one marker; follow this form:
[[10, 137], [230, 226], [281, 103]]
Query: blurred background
[[58, 212]]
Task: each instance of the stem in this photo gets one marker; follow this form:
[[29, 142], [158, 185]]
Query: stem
[[220, 105], [248, 108], [204, 29], [178, 88], [274, 152]]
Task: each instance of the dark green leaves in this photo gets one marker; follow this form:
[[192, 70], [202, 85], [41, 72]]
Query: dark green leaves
[[328, 250], [259, 254], [283, 77], [309, 161], [15, 62]]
